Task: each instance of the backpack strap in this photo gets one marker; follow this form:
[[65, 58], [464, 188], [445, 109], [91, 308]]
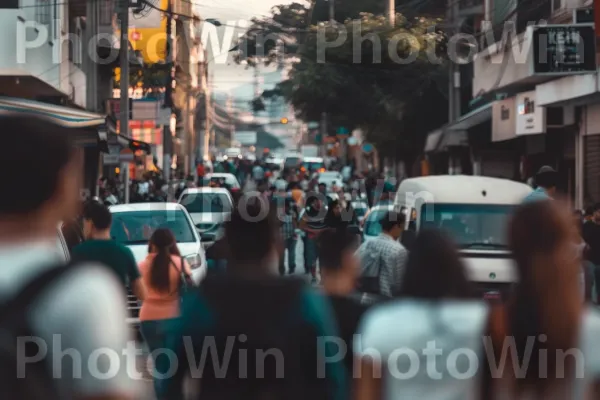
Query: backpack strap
[[33, 289]]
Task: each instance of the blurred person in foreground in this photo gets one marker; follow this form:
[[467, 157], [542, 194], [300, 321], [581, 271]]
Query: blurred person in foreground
[[84, 305], [100, 247], [251, 309], [591, 235], [165, 273], [436, 307], [383, 260], [339, 273], [545, 315]]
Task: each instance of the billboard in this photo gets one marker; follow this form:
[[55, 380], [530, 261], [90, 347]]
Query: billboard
[[147, 32]]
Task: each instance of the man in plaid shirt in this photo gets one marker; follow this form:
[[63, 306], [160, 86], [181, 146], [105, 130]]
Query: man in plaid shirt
[[383, 259], [289, 221]]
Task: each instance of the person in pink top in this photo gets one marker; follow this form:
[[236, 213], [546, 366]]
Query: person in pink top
[[162, 276]]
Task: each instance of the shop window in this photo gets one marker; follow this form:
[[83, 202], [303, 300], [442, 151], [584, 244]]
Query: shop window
[[43, 12]]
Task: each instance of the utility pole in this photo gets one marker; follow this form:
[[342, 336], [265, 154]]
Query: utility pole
[[231, 118], [124, 100], [392, 12], [323, 126], [331, 10], [453, 78], [168, 103]]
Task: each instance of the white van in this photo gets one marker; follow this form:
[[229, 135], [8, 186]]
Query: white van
[[475, 211]]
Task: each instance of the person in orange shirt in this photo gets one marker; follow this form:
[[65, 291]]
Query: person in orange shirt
[[162, 273]]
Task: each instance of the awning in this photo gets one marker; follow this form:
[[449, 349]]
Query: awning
[[443, 138], [473, 118], [433, 139], [64, 116]]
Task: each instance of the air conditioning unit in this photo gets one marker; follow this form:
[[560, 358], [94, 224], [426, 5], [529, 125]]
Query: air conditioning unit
[[559, 117]]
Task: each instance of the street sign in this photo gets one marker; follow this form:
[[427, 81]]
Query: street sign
[[564, 49], [367, 147], [111, 159]]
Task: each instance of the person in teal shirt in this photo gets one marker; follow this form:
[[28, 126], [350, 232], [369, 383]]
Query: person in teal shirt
[[99, 247], [231, 319], [546, 181]]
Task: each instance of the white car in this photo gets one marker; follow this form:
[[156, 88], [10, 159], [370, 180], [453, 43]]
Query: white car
[[372, 226], [329, 178], [133, 224], [209, 209], [229, 179]]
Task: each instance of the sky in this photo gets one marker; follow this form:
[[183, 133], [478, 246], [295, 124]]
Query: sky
[[233, 15]]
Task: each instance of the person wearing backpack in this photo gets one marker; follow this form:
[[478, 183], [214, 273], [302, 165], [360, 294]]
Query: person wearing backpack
[[258, 335], [72, 311], [164, 273]]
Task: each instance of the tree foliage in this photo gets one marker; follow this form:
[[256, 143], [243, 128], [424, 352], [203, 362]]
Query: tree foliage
[[388, 81]]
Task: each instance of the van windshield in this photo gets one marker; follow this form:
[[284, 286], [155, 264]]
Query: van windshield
[[472, 226]]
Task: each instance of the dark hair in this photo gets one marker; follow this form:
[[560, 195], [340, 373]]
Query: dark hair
[[165, 245], [252, 230], [546, 179], [98, 213], [322, 184], [548, 287], [434, 270], [332, 244], [392, 219], [32, 148]]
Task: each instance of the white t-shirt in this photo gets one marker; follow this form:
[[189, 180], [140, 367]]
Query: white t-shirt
[[83, 310], [429, 350]]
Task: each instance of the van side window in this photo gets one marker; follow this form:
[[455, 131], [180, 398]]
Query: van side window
[[412, 220]]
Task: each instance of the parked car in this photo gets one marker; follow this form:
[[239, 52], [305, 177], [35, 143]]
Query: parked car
[[330, 178], [209, 209], [229, 180], [133, 224]]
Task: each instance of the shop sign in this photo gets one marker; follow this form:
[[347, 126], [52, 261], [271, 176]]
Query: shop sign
[[564, 49], [503, 119], [531, 119]]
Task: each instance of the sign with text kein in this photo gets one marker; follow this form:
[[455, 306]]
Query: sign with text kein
[[564, 49], [504, 119], [531, 119]]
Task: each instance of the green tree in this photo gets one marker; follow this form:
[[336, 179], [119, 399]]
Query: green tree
[[387, 81]]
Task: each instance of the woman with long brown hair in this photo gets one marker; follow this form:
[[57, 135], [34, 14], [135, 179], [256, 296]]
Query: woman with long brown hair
[[163, 272], [545, 319]]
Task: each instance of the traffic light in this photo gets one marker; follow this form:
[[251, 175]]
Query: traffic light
[[284, 120]]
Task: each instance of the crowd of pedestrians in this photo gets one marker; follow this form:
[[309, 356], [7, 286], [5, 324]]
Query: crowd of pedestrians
[[249, 333]]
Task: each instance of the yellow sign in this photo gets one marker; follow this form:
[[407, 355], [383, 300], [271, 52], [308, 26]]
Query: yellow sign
[[148, 33]]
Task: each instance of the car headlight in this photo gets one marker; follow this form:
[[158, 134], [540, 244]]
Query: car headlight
[[194, 260]]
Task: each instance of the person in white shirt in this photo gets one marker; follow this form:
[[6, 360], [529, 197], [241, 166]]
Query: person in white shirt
[[84, 309]]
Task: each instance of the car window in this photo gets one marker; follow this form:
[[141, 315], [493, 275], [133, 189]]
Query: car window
[[206, 202], [472, 226], [136, 227]]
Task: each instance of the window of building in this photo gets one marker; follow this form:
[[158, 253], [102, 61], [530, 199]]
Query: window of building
[[43, 12], [9, 4]]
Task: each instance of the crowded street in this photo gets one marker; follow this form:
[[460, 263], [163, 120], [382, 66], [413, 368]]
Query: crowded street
[[300, 200]]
